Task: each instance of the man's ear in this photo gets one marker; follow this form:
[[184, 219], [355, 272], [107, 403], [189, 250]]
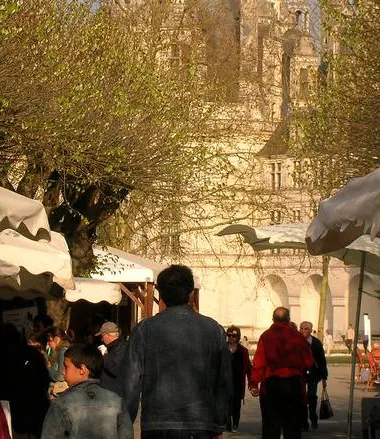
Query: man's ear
[[191, 298], [83, 369]]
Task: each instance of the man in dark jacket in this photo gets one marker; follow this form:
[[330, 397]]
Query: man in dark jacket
[[110, 335], [315, 374], [179, 362]]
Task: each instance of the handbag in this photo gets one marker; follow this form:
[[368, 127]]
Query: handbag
[[325, 409]]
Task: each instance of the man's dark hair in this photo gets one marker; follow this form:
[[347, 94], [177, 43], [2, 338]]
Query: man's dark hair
[[281, 315], [175, 284], [86, 354]]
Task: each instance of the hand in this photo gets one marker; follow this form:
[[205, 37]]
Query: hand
[[324, 384], [254, 391]]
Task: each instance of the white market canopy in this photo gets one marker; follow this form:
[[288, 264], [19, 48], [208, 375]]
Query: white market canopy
[[115, 267], [28, 268], [32, 257], [293, 236], [353, 211], [23, 214], [94, 291], [342, 220], [118, 266]]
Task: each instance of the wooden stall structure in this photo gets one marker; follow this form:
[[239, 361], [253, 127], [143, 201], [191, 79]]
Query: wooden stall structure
[[127, 281]]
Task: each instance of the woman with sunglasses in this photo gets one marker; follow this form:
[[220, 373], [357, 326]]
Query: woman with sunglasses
[[241, 369]]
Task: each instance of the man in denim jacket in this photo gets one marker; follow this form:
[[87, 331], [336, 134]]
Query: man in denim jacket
[[180, 363], [86, 410]]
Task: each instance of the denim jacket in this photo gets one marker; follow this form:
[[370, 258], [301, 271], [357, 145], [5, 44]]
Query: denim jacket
[[87, 411], [180, 362]]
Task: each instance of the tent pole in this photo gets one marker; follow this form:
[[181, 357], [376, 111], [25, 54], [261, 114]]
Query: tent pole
[[149, 299], [353, 355]]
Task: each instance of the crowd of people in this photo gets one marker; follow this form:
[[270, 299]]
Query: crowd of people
[[183, 371]]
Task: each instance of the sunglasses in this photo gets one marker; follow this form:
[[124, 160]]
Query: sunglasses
[[232, 335]]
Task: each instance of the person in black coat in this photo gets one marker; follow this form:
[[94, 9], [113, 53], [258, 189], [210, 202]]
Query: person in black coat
[[241, 371], [314, 375], [24, 382], [116, 344]]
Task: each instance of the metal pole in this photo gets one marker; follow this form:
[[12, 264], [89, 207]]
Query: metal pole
[[353, 358]]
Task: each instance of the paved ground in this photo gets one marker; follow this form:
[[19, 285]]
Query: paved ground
[[334, 428]]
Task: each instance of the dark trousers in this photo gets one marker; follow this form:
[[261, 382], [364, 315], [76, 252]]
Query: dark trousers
[[235, 412], [177, 434], [281, 407], [312, 400]]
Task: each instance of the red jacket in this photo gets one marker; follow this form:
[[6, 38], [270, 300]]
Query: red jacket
[[4, 430], [281, 351]]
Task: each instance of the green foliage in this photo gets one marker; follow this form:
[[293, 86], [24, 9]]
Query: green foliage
[[8, 7], [85, 99], [338, 133], [93, 107]]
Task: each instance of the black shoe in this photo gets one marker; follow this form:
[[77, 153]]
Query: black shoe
[[305, 427], [314, 425]]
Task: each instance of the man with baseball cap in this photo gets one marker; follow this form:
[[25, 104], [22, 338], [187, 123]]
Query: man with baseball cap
[[110, 335]]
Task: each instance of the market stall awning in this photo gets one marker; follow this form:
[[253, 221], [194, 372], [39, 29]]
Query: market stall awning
[[293, 236], [29, 268], [94, 290], [353, 211], [25, 215], [118, 266]]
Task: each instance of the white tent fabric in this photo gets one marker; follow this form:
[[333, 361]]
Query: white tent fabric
[[293, 236], [276, 236], [25, 215], [94, 290], [353, 211], [341, 221], [117, 266], [156, 267], [32, 266]]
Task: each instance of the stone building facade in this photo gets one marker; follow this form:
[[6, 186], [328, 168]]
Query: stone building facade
[[275, 48], [238, 285]]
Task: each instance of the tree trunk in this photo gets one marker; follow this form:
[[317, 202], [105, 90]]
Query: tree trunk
[[81, 251], [82, 256], [59, 311], [323, 295]]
